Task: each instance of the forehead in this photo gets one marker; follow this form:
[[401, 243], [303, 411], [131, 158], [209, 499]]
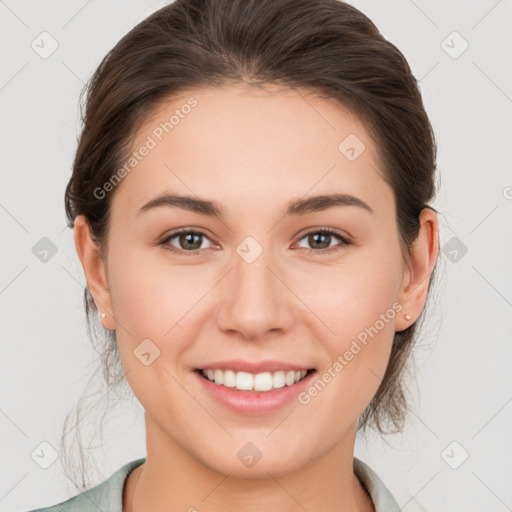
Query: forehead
[[247, 145]]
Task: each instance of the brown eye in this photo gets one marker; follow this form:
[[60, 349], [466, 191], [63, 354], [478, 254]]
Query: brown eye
[[186, 240], [321, 239]]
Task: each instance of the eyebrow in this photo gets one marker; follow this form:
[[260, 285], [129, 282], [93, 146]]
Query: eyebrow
[[295, 207]]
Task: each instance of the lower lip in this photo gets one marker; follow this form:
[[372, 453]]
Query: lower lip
[[254, 402]]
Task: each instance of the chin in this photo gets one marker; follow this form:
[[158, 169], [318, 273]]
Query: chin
[[253, 461]]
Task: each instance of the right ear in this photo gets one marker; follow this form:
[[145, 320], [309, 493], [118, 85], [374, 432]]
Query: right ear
[[94, 270]]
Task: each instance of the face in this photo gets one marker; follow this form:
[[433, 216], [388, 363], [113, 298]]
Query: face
[[255, 289]]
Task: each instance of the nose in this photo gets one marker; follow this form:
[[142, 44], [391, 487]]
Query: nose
[[255, 299]]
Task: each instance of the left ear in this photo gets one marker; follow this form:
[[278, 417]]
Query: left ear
[[423, 255]]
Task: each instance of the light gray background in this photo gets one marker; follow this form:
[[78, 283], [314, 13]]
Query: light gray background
[[464, 361]]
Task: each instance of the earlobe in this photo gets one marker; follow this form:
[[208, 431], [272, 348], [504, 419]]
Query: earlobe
[[94, 270], [423, 256]]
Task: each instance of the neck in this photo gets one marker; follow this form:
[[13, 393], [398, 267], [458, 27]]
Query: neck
[[172, 479]]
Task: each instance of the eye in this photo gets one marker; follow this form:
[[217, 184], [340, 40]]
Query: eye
[[320, 240], [188, 241]]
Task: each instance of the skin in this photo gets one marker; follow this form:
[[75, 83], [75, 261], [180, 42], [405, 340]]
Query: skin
[[253, 150]]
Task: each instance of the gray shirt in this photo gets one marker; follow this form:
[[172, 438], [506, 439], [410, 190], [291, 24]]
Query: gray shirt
[[108, 496]]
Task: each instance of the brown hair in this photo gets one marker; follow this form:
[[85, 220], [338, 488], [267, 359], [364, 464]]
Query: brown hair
[[325, 46]]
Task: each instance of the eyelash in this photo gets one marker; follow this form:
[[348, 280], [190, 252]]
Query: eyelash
[[344, 241]]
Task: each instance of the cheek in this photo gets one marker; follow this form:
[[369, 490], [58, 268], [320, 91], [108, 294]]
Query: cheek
[[150, 303], [352, 295], [148, 294], [361, 308], [156, 300]]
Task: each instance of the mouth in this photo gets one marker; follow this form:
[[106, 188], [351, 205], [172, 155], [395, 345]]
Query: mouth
[[254, 382]]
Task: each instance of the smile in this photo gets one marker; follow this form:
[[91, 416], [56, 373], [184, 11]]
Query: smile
[[260, 382]]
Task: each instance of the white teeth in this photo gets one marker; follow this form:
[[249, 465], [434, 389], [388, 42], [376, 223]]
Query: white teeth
[[245, 381], [290, 378], [263, 381], [229, 379], [278, 380]]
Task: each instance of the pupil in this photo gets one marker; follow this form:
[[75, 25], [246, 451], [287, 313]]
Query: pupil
[[186, 238], [315, 236]]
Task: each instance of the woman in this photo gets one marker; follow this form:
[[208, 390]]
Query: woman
[[249, 201]]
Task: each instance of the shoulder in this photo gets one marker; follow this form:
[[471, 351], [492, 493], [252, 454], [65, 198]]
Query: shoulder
[[104, 496], [383, 500]]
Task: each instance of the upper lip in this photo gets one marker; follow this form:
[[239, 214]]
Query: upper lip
[[239, 365]]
